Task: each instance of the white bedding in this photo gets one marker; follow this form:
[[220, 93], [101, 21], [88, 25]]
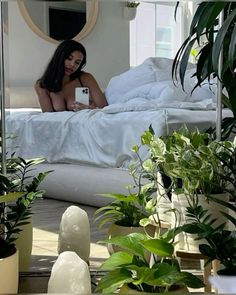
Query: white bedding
[[104, 137]]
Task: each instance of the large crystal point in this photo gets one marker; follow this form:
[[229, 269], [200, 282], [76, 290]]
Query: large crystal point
[[70, 274], [74, 234]]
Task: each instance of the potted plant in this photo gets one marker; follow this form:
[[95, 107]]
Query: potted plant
[[131, 270], [193, 161], [130, 9], [132, 4], [17, 192], [124, 213], [210, 38], [221, 239]]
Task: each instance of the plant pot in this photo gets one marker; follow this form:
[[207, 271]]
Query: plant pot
[[24, 245], [187, 241], [9, 274], [119, 230], [130, 13], [223, 284], [176, 289]]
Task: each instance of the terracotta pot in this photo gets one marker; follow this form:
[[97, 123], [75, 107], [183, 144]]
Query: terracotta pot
[[24, 245], [9, 274], [179, 202]]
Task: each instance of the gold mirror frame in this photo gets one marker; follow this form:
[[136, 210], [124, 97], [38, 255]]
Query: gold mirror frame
[[91, 20]]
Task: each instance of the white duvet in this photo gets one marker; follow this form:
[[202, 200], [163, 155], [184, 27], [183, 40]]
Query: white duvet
[[104, 137]]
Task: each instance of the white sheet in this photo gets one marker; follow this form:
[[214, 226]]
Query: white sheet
[[101, 137]]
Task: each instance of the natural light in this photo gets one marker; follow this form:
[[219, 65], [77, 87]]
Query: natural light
[[155, 31]]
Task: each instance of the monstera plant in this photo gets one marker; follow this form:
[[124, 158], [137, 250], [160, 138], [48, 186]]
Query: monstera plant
[[212, 39]]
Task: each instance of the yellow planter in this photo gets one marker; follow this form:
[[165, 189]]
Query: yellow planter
[[24, 245], [9, 274]]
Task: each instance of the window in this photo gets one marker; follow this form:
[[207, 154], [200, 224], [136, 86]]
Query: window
[[155, 32]]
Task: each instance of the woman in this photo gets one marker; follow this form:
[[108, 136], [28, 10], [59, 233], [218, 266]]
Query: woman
[[56, 88]]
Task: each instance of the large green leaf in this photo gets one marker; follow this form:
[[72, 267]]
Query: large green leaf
[[117, 259], [131, 242], [159, 247], [112, 280]]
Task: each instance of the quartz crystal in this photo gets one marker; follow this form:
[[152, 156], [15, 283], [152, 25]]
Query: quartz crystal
[[74, 233], [70, 274]]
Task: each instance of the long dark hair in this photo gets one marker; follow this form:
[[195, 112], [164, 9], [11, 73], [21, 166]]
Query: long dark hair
[[54, 73]]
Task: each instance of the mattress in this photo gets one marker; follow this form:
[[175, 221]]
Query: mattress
[[101, 137]]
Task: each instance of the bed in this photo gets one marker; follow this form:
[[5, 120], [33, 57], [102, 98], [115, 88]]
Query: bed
[[90, 150]]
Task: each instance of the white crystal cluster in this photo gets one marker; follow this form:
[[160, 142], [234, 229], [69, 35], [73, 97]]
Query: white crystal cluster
[[74, 233], [70, 273]]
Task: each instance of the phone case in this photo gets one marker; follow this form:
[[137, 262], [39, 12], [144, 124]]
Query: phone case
[[82, 95]]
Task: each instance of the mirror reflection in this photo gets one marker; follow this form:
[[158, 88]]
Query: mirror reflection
[[59, 20]]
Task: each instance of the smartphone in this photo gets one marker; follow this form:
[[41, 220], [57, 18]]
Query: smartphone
[[82, 95]]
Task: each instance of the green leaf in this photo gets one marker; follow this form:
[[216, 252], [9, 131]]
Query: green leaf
[[11, 197], [232, 47], [111, 281], [117, 259], [216, 48], [131, 242], [159, 247]]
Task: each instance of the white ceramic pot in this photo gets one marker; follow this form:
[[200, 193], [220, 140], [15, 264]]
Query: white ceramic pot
[[9, 274], [24, 245], [186, 241], [130, 13], [223, 284]]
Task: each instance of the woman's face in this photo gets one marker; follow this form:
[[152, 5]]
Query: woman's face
[[73, 62]]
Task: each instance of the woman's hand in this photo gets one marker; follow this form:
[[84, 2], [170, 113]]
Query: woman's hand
[[78, 106]]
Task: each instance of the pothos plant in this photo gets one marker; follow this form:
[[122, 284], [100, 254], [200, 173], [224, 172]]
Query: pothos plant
[[221, 241], [133, 267], [193, 160], [18, 189]]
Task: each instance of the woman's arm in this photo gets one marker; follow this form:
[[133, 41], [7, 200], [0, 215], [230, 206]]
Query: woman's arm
[[97, 97], [44, 98]]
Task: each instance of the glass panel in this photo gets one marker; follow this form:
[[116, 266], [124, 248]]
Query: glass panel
[[155, 32]]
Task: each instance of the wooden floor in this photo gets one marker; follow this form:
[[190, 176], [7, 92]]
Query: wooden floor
[[46, 220]]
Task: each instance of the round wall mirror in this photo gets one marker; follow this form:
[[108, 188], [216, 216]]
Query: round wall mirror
[[55, 21]]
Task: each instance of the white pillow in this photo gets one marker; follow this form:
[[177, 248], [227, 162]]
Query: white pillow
[[123, 87], [123, 83]]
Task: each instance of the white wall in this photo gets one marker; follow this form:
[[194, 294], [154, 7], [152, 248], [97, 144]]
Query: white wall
[[107, 46]]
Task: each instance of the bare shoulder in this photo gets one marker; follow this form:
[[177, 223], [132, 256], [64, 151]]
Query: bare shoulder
[[87, 77], [37, 85], [39, 89]]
